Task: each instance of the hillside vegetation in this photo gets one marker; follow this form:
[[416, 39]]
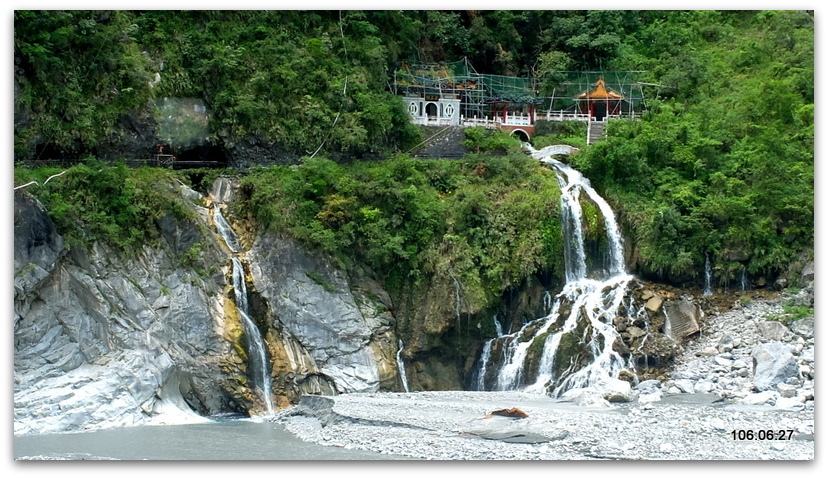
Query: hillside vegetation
[[721, 165]]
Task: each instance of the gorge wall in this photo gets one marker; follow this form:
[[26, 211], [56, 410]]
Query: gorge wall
[[107, 338]]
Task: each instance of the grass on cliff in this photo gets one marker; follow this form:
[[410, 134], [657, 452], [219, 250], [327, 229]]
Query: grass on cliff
[[488, 221], [98, 201]]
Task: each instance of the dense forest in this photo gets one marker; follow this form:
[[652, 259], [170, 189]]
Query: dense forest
[[720, 166]]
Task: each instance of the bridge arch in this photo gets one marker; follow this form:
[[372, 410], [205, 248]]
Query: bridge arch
[[521, 134]]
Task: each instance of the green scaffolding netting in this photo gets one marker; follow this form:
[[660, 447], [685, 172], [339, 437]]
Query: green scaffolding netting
[[476, 89]]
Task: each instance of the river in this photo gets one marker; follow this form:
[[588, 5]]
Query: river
[[241, 439]]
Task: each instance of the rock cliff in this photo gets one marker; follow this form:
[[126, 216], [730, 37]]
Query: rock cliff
[[108, 338]]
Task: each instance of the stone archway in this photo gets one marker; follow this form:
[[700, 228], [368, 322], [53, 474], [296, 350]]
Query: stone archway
[[522, 135], [431, 109]]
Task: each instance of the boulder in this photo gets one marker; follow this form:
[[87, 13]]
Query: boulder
[[773, 363], [803, 327], [736, 255], [615, 390], [508, 412], [683, 317], [654, 303], [772, 330], [585, 397]]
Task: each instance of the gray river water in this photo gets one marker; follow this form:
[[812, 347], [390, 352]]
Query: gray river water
[[217, 440]]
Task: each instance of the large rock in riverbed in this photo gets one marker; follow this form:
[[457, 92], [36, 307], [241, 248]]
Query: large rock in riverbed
[[773, 363]]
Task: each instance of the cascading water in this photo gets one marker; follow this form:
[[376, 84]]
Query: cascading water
[[578, 334], [744, 283], [498, 327], [401, 367], [708, 275], [224, 230], [257, 357]]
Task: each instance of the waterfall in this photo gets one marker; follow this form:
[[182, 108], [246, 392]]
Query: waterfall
[[457, 301], [578, 333], [744, 283], [708, 275], [485, 355], [498, 327], [401, 367], [224, 230], [257, 357]]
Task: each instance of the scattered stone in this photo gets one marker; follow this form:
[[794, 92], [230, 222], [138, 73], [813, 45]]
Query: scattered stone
[[684, 385], [785, 390], [648, 385], [725, 343], [723, 361]]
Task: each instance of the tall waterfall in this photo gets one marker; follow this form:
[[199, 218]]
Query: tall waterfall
[[401, 367], [576, 339], [257, 357]]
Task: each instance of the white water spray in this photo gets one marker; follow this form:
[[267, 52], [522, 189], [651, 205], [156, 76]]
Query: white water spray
[[401, 367], [593, 297]]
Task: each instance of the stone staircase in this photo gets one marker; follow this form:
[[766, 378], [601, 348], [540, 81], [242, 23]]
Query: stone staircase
[[441, 142], [595, 131]]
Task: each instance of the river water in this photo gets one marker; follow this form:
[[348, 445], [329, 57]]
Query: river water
[[215, 440]]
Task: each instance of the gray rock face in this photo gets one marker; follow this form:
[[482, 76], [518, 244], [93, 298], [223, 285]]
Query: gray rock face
[[312, 300], [808, 272], [100, 337], [773, 363], [37, 246], [224, 190]]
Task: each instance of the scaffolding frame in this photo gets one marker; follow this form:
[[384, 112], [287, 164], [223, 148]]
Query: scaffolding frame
[[479, 93]]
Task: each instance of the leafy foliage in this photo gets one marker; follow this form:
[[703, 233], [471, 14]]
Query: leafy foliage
[[116, 204], [489, 221], [726, 165]]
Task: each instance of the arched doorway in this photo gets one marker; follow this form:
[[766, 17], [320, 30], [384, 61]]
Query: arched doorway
[[431, 109]]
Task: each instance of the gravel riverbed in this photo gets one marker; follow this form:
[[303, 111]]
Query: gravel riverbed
[[715, 405]]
